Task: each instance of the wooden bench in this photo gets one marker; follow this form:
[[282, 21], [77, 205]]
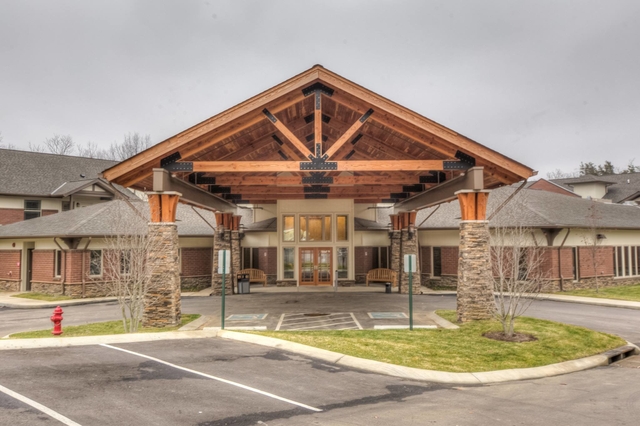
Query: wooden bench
[[381, 275], [255, 276]]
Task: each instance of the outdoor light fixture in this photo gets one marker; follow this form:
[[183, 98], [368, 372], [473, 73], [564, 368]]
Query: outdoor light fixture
[[411, 230], [241, 230], [390, 228], [220, 231], [601, 237]]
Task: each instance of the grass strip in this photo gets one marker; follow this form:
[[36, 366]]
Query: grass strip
[[100, 329], [464, 349], [625, 292], [42, 296]]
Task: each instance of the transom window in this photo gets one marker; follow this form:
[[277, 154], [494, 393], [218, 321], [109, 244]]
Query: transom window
[[315, 228]]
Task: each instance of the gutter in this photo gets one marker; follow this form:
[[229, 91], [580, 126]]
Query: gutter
[[560, 259]]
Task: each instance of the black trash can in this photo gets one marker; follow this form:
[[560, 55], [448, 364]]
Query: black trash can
[[387, 287], [244, 286]]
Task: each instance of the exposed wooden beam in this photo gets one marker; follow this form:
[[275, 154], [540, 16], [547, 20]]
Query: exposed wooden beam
[[349, 133], [317, 123], [371, 190], [288, 134], [226, 180], [294, 166], [251, 197], [472, 180]]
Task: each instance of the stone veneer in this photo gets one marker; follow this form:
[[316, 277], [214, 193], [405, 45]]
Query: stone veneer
[[47, 288], [444, 282], [162, 301], [409, 245], [195, 283], [9, 285], [395, 254], [475, 285]]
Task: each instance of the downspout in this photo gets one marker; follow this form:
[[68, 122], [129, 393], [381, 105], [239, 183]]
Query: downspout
[[62, 278], [84, 252], [560, 259]]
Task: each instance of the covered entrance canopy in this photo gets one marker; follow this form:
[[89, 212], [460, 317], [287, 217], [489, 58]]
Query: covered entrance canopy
[[319, 136]]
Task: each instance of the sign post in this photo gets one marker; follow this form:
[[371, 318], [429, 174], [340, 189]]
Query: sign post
[[223, 266], [410, 267]]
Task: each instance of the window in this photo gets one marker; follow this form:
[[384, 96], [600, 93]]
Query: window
[[95, 262], [343, 262], [58, 263], [288, 231], [250, 258], [380, 257], [437, 261], [342, 230], [66, 206], [125, 262], [31, 209], [626, 261], [289, 262], [315, 228], [576, 264]]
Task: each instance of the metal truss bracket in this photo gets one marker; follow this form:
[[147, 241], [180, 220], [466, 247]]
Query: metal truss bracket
[[316, 196], [418, 187], [366, 115], [435, 177], [216, 189], [466, 158], [199, 178], [170, 159], [317, 178], [399, 195], [316, 189], [317, 87], [183, 166], [455, 165]]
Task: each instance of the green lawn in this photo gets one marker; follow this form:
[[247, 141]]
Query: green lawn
[[42, 296], [462, 350], [99, 329], [625, 292]]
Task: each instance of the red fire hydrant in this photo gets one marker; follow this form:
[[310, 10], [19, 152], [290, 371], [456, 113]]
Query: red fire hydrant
[[57, 321]]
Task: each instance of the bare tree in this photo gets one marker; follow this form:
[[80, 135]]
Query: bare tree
[[592, 241], [132, 144], [36, 147], [60, 144], [517, 266], [559, 174], [91, 150], [129, 274], [6, 145]]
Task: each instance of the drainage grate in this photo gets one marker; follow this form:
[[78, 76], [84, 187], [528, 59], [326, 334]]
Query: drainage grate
[[318, 321]]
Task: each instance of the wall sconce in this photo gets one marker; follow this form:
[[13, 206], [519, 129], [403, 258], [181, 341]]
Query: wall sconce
[[601, 237], [220, 231], [390, 229], [241, 230], [411, 230]]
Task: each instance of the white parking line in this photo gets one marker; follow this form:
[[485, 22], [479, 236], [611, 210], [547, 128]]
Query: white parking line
[[59, 417], [356, 321], [318, 326], [229, 382], [280, 322]]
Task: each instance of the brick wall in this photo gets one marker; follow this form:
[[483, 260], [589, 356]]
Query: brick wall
[[8, 216], [49, 212], [9, 268], [604, 260], [449, 260], [363, 259], [196, 261], [268, 260], [42, 265], [425, 260]]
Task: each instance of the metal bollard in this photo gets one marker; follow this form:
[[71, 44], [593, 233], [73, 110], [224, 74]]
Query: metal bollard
[[56, 318]]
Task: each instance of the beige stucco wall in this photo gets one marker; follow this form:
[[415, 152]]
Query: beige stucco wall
[[594, 189], [264, 211], [260, 239], [371, 238]]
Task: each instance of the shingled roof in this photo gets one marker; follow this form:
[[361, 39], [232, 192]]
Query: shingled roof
[[620, 188], [109, 218], [537, 209], [40, 174]]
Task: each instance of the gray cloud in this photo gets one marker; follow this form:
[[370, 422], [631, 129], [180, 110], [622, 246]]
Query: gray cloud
[[548, 83]]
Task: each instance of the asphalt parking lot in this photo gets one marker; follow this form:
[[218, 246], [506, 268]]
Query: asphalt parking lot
[[190, 382]]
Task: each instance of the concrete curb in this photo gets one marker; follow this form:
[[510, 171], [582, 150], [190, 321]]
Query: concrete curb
[[420, 374], [62, 303], [62, 342]]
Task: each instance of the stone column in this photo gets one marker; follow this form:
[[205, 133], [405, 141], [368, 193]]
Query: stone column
[[162, 301], [409, 245], [235, 256], [222, 241], [395, 254], [475, 284]]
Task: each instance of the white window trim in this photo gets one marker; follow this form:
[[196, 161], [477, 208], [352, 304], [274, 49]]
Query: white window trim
[[101, 263]]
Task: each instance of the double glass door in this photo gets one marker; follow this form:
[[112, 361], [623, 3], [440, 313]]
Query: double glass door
[[315, 266]]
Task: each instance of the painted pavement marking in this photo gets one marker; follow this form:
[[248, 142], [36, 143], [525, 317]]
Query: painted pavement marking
[[387, 315], [48, 411], [331, 321], [229, 382], [246, 317]]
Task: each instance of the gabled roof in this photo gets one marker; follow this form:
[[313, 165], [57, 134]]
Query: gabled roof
[[108, 218], [620, 187], [40, 174], [279, 126], [538, 209]]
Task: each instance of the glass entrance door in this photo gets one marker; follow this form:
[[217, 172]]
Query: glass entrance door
[[316, 266]]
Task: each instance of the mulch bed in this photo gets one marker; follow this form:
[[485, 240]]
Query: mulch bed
[[517, 337]]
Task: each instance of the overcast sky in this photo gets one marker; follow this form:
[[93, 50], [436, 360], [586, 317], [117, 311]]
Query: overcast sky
[[547, 83]]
